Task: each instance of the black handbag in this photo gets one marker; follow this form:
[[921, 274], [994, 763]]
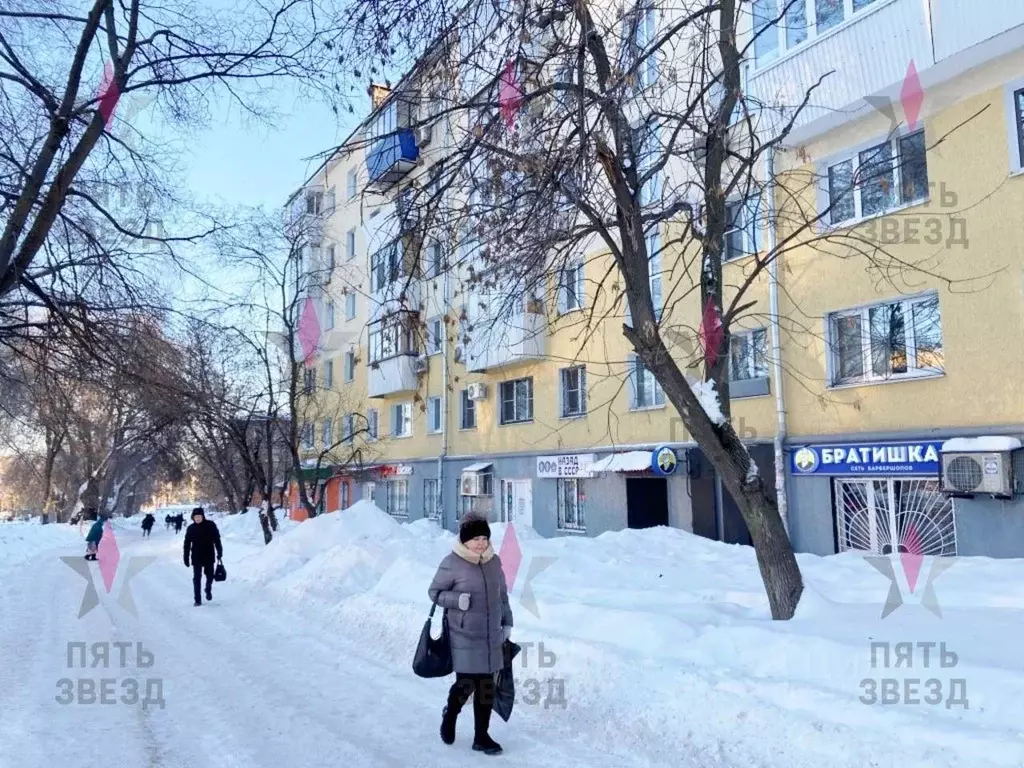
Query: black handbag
[[433, 657], [505, 684], [219, 574]]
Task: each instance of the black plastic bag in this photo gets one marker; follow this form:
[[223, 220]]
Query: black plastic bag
[[433, 658], [505, 684], [219, 574]]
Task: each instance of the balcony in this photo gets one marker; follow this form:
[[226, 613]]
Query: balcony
[[868, 55], [393, 376], [392, 156], [507, 341]]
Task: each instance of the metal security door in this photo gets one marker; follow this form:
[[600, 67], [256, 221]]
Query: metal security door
[[894, 516]]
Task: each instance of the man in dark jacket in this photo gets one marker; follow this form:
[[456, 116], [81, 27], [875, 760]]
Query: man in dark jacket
[[470, 585], [147, 524], [202, 543]]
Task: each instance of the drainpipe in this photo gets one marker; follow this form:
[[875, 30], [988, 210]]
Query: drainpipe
[[444, 395], [773, 310]]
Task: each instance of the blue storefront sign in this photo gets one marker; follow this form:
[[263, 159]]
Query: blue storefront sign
[[911, 458], [664, 460]]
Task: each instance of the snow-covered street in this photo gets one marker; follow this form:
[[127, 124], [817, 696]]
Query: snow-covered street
[[659, 640]]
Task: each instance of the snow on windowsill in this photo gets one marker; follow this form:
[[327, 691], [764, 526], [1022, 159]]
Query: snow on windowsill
[[985, 444]]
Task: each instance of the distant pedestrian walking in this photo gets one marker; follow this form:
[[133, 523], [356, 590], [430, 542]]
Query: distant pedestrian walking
[[471, 587], [202, 544], [179, 520], [92, 539], [167, 520], [147, 524]]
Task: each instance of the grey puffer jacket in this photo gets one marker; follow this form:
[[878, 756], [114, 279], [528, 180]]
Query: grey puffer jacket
[[477, 634]]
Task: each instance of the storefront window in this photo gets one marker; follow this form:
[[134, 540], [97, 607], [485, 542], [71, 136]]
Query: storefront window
[[571, 498], [398, 498], [895, 517]]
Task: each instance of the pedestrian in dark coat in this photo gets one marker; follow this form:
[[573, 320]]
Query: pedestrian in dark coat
[[147, 524], [202, 543], [471, 587]]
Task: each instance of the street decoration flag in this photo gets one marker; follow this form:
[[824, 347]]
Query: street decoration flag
[[711, 332], [510, 96], [309, 331]]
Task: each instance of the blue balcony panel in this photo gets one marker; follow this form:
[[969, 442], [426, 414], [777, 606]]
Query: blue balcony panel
[[392, 157]]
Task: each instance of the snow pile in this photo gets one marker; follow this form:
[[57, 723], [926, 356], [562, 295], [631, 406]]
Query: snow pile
[[664, 644], [990, 444], [20, 541]]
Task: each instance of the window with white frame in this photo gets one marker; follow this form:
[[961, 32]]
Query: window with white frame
[[401, 420], [570, 292], [314, 203], [372, 420], [330, 259], [645, 390], [350, 305], [328, 374], [309, 380], [348, 428], [748, 355], [398, 498], [307, 435], [350, 244], [434, 414], [646, 145], [516, 401], [573, 391], [891, 340], [467, 418], [638, 37], [329, 315], [434, 336], [782, 25], [350, 366], [435, 259], [571, 498], [386, 267], [352, 184], [386, 121], [878, 179], [431, 499], [742, 228], [654, 268], [327, 433]]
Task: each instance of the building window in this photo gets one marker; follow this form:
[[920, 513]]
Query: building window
[[570, 505], [431, 499], [309, 380], [574, 391], [398, 498], [435, 259], [350, 244], [517, 401], [804, 20], [350, 366], [654, 268], [638, 30], [878, 179], [900, 339], [344, 495], [329, 316], [647, 392], [330, 260], [748, 355], [401, 420], [468, 418], [434, 336], [348, 428], [1018, 123], [742, 229], [434, 414], [352, 184], [570, 291], [386, 267], [327, 433], [372, 417], [307, 436], [350, 306], [314, 203], [328, 374]]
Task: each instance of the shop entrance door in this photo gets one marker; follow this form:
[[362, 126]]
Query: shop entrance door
[[894, 516]]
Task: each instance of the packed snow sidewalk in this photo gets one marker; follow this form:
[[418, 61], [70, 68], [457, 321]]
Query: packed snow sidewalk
[[662, 641]]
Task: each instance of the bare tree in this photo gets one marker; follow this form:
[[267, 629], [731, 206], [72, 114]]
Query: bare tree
[[619, 138]]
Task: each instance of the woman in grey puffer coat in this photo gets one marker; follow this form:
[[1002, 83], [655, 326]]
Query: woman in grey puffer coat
[[471, 587]]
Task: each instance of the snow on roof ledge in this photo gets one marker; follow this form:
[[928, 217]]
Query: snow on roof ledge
[[630, 461], [992, 443]]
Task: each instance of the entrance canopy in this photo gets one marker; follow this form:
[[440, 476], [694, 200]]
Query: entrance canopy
[[628, 461], [480, 466]]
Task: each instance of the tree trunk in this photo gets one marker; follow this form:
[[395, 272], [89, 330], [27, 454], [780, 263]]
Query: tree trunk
[[268, 535]]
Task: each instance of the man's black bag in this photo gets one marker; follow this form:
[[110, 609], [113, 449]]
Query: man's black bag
[[505, 685], [433, 658], [219, 574]]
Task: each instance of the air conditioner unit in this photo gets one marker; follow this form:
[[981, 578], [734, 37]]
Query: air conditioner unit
[[477, 391], [978, 472], [424, 135], [421, 364], [470, 485]]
